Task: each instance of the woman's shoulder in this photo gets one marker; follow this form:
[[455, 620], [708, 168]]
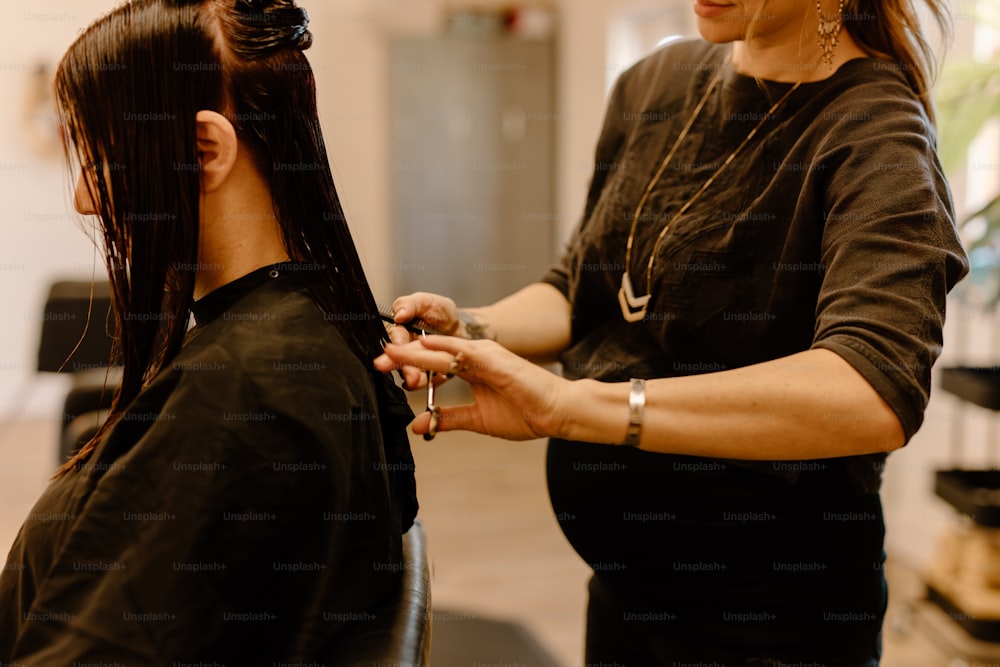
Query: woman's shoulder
[[274, 379], [277, 328], [273, 350], [869, 100], [869, 85]]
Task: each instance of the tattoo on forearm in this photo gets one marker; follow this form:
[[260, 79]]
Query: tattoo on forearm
[[475, 328]]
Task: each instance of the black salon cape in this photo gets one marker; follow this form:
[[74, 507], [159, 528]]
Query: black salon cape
[[243, 512]]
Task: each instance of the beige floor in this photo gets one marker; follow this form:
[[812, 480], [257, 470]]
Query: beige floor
[[495, 548]]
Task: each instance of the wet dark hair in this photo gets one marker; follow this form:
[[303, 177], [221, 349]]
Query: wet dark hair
[[128, 90]]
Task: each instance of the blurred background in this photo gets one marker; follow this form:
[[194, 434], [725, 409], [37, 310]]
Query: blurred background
[[461, 135]]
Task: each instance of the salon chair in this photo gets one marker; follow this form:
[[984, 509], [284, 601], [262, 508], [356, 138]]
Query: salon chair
[[401, 633]]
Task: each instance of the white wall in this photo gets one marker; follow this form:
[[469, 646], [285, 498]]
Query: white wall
[[40, 239]]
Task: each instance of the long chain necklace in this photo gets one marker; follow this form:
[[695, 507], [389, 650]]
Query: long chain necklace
[[633, 307]]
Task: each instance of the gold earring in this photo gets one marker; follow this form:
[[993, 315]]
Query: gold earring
[[829, 32]]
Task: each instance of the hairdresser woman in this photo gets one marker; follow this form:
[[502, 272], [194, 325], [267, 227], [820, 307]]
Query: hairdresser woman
[[246, 501], [746, 319]]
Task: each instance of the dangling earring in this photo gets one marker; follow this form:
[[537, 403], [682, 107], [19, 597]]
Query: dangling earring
[[829, 32]]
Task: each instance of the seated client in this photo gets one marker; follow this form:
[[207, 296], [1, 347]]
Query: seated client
[[245, 501]]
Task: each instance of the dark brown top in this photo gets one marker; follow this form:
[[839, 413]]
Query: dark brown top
[[832, 229]]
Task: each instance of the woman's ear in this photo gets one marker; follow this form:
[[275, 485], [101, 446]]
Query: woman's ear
[[217, 149]]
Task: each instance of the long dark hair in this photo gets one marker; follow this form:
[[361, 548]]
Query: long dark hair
[[128, 90]]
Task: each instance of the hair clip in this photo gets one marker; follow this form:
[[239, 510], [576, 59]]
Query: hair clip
[[302, 28]]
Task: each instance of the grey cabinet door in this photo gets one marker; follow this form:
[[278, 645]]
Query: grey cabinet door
[[472, 134]]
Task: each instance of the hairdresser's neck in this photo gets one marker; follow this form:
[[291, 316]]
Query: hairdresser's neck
[[239, 231], [790, 61]]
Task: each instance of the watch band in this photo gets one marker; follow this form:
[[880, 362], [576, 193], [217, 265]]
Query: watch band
[[636, 404]]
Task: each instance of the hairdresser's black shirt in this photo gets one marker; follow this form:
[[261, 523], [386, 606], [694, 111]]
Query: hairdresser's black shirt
[[243, 512], [833, 228]]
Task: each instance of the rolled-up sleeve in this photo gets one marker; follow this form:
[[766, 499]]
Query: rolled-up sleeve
[[890, 253]]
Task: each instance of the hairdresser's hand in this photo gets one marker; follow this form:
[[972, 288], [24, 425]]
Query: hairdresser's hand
[[514, 398], [437, 312]]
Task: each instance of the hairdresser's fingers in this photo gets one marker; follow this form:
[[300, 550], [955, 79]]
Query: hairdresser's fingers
[[422, 423], [492, 414], [452, 355], [384, 363], [437, 311], [513, 398], [414, 378], [416, 355], [413, 369], [459, 418], [399, 335], [431, 310], [413, 362]]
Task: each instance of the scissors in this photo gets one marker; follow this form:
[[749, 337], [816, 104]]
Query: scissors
[[431, 408], [420, 327]]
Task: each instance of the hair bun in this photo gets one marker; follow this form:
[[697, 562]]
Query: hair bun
[[301, 37]]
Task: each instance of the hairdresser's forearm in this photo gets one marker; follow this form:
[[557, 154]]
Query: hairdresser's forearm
[[533, 322], [809, 405]]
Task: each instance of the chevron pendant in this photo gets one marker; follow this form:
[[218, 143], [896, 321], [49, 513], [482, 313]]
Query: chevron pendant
[[633, 309]]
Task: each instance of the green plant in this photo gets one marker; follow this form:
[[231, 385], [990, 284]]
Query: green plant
[[968, 97]]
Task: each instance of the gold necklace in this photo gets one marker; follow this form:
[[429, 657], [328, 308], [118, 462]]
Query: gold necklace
[[633, 307]]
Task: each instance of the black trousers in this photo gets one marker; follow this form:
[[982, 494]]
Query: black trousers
[[615, 641]]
